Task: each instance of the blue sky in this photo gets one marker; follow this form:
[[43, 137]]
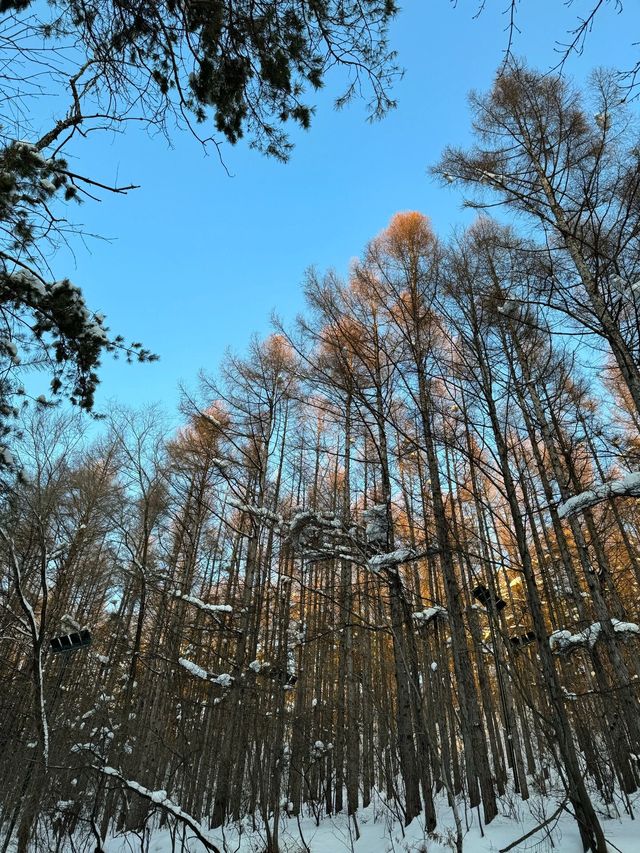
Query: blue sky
[[198, 261]]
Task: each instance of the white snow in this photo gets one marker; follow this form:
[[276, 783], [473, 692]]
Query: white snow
[[194, 669], [160, 798], [491, 176], [377, 523], [624, 286], [628, 486], [6, 456], [69, 621], [508, 307], [299, 521], [603, 120], [386, 561], [380, 833], [427, 615], [258, 511], [9, 347], [224, 679], [202, 605], [564, 641], [625, 627]]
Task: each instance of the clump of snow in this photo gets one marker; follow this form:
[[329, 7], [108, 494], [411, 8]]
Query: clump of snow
[[603, 120], [624, 286], [376, 523], [202, 605], [70, 621], [8, 347], [379, 832], [628, 486], [6, 456], [221, 464], [161, 798], [224, 679], [429, 613], [491, 177], [625, 627], [387, 561], [262, 512], [565, 641], [194, 669], [319, 749], [562, 641], [509, 308], [158, 796], [298, 523]]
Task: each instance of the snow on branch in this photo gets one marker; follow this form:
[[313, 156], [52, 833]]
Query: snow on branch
[[376, 518], [261, 512], [427, 615], [319, 535], [36, 630], [390, 560], [628, 486], [224, 680], [625, 287], [322, 536], [160, 798], [299, 523], [202, 605], [564, 641]]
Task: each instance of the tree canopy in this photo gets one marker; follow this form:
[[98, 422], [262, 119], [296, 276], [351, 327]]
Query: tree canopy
[[219, 70]]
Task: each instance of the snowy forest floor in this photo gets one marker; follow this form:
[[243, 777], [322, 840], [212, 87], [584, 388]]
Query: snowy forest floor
[[382, 832]]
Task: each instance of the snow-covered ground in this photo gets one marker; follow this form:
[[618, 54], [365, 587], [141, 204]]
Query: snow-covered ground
[[381, 832]]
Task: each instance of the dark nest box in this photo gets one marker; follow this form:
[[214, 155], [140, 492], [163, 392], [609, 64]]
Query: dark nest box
[[484, 596], [522, 640], [71, 642]]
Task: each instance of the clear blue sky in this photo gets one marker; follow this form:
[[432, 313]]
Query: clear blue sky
[[199, 260]]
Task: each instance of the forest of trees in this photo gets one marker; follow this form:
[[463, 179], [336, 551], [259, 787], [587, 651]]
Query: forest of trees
[[362, 563]]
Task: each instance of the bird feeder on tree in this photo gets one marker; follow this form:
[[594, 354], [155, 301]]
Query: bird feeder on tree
[[487, 598], [523, 639], [71, 642]]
